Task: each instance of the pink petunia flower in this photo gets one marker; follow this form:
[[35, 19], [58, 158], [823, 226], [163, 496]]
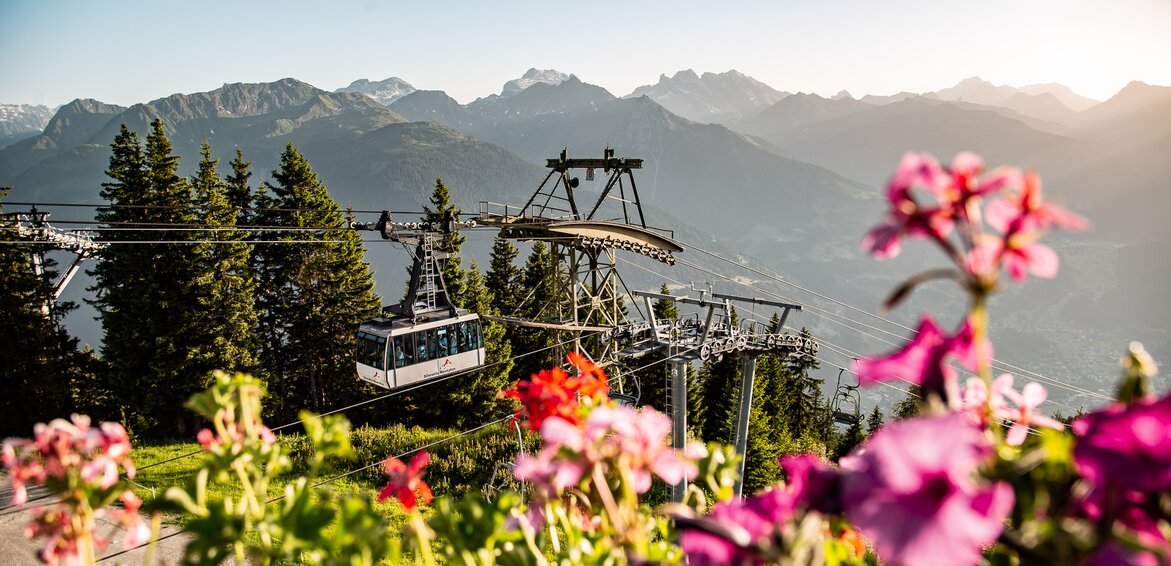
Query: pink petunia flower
[[746, 523], [813, 483], [1126, 446], [911, 492], [406, 481]]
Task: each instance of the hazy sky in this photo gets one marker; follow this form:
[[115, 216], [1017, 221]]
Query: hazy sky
[[125, 52]]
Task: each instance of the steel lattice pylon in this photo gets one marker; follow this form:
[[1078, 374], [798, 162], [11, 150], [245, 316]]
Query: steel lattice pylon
[[583, 245]]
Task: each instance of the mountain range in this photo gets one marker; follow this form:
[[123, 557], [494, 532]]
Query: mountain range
[[19, 121], [724, 98], [787, 183]]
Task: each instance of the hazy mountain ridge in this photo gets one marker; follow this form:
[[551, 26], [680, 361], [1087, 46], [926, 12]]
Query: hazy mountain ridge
[[797, 111], [724, 98], [434, 106], [541, 98]]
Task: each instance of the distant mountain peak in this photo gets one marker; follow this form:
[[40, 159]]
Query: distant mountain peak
[[531, 77], [721, 98], [842, 94], [385, 91], [973, 80], [976, 90]]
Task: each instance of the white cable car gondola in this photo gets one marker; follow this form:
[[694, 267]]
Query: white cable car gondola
[[394, 353], [425, 336]]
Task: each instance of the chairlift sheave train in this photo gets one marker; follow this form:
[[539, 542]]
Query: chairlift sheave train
[[425, 336]]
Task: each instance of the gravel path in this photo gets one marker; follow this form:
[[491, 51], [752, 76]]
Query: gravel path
[[16, 550]]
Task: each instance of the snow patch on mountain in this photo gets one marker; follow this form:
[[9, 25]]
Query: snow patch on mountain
[[384, 91], [532, 77]]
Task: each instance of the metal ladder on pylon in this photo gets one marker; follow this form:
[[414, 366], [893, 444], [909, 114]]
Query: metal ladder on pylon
[[667, 405], [428, 275]]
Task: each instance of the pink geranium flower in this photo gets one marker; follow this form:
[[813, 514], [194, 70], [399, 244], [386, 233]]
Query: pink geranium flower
[[1024, 415], [642, 439], [924, 360], [1126, 446], [84, 464], [911, 491], [907, 216], [565, 454], [1021, 220], [610, 436], [406, 481], [968, 181]]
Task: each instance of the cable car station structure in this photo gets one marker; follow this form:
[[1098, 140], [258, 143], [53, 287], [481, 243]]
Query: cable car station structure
[[585, 246]]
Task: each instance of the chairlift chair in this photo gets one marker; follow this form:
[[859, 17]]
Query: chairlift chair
[[847, 403]]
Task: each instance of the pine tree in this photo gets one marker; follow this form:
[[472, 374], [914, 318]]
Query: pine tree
[[764, 447], [170, 288], [721, 392], [803, 393], [665, 309], [145, 298], [40, 365], [237, 191], [538, 279], [874, 420], [908, 406], [312, 296], [222, 336], [504, 277], [768, 436], [119, 274], [451, 243], [851, 439]]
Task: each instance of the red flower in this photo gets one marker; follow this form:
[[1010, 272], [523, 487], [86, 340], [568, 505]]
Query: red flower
[[590, 381], [406, 481], [553, 392]]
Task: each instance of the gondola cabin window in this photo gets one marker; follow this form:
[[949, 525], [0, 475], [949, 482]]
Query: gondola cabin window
[[371, 350]]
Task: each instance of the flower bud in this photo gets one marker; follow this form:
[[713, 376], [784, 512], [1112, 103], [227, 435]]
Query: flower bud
[[1137, 370]]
